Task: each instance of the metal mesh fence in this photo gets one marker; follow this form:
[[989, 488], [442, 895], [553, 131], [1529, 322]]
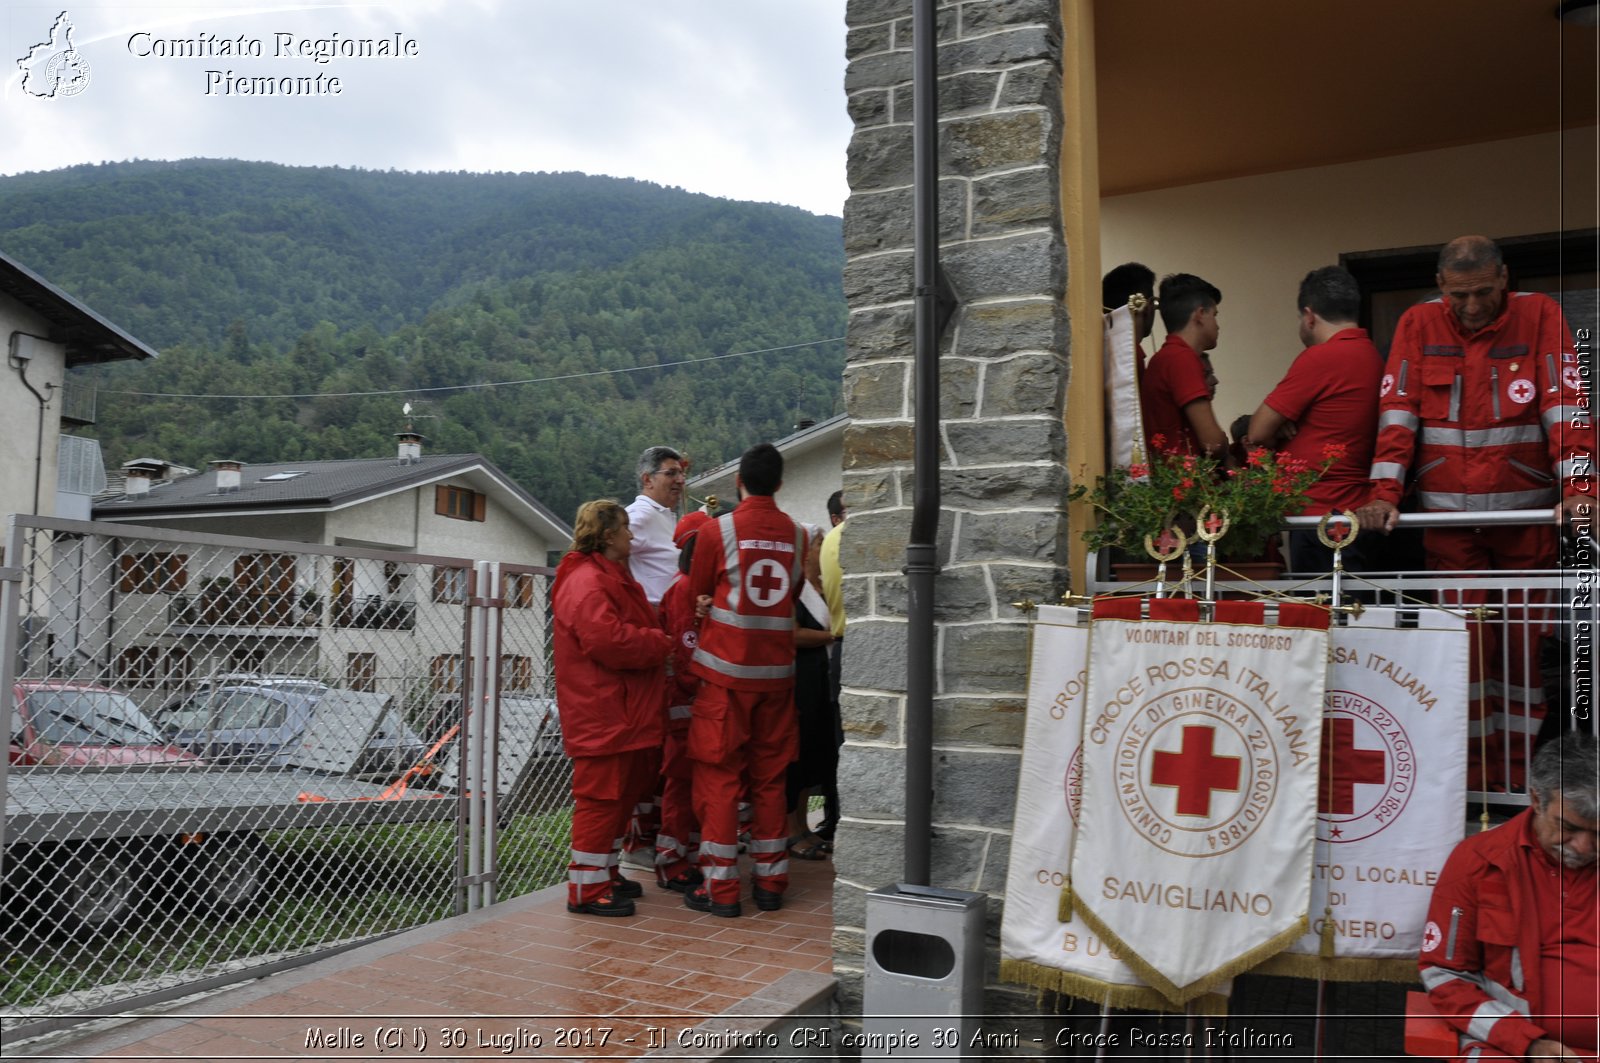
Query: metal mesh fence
[[228, 753]]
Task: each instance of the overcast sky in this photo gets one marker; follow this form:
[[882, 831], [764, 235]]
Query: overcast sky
[[735, 98]]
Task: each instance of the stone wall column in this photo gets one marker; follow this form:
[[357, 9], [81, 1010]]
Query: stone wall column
[[1003, 528]]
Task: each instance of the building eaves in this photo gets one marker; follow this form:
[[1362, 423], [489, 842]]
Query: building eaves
[[88, 337]]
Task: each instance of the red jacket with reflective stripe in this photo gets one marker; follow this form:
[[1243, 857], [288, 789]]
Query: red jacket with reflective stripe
[[678, 620], [610, 658], [1495, 420], [749, 562], [1480, 957]]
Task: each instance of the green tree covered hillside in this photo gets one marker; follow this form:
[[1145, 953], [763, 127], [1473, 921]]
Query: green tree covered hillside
[[254, 279]]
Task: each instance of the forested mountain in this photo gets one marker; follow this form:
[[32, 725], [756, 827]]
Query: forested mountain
[[254, 279]]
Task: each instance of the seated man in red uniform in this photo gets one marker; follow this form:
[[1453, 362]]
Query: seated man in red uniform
[[1326, 404], [742, 728], [1175, 395], [1511, 950]]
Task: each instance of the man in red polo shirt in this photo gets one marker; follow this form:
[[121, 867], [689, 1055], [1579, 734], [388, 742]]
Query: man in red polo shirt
[[1174, 394], [1511, 950], [1326, 404]]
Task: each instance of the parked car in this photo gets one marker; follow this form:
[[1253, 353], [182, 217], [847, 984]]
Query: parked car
[[76, 724], [259, 720]]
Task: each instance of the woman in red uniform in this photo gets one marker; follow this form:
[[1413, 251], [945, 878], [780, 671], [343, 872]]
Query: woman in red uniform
[[610, 662]]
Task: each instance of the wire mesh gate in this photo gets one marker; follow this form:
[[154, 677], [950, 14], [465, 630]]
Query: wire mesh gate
[[227, 755]]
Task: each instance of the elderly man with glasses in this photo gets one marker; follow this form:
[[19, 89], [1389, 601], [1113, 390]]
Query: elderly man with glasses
[[653, 516]]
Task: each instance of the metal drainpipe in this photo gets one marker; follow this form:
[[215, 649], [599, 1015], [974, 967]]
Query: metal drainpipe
[[921, 550], [21, 366]]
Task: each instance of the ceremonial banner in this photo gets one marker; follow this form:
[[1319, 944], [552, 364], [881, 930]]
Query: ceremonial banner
[[1390, 795], [1193, 858], [1036, 947], [1124, 416]]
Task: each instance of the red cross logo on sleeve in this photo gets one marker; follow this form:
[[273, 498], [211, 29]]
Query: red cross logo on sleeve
[[1344, 765], [1195, 771]]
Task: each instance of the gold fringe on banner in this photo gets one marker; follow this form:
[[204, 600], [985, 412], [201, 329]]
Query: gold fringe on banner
[[1180, 995], [1341, 968], [1108, 994]]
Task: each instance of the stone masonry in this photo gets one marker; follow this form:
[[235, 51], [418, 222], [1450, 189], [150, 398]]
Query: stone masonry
[[1003, 527]]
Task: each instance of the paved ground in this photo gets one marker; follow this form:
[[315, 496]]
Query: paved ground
[[524, 979]]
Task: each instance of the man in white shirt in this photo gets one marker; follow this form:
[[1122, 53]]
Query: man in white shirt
[[652, 518]]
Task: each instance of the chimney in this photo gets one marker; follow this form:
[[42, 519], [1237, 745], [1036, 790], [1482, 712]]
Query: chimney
[[410, 447], [135, 481], [228, 473]]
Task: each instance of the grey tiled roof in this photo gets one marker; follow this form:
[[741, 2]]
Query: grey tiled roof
[[320, 485]]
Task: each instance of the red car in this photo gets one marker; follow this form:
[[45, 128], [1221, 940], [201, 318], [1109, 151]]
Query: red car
[[60, 722]]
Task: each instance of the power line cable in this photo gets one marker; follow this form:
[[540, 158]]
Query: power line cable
[[468, 387]]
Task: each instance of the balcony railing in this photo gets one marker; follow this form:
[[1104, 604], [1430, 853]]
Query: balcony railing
[[387, 614]]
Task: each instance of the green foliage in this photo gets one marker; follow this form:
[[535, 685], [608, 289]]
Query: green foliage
[[259, 279]]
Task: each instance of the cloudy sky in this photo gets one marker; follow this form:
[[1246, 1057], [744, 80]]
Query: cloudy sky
[[735, 98]]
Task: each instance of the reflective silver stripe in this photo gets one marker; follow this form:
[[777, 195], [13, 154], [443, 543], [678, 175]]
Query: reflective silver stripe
[[1516, 968], [769, 845], [1475, 1052], [723, 871], [588, 878], [1483, 437], [720, 851], [730, 558], [1583, 465], [591, 859], [1455, 924], [1484, 1016], [1455, 398], [1550, 371], [1537, 474], [1386, 470], [743, 671], [1576, 416], [667, 844], [1494, 390], [1400, 383], [680, 712], [779, 866], [755, 623], [1400, 418], [1460, 502]]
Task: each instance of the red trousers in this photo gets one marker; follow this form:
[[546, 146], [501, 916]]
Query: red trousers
[[604, 791], [1505, 695], [740, 737], [678, 839]]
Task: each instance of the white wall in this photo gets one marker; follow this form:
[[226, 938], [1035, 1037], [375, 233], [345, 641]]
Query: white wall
[[1256, 237], [19, 412]]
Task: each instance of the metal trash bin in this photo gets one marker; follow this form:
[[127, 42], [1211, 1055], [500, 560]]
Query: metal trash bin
[[924, 971]]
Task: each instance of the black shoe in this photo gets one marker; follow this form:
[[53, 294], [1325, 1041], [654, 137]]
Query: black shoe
[[701, 901], [684, 883], [767, 900], [626, 887], [605, 904]]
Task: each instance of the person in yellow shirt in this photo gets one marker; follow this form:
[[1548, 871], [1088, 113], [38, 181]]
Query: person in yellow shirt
[[833, 595]]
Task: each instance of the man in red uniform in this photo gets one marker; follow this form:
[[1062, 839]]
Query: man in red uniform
[[1174, 394], [1483, 403], [1326, 404], [742, 728], [678, 837], [1511, 950]]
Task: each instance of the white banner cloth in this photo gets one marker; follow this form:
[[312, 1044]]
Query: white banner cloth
[[1391, 789], [1124, 416], [1195, 839]]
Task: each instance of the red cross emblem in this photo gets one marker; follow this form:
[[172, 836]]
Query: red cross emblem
[[1338, 531], [1214, 524], [1344, 765], [1520, 391], [767, 582], [1571, 379], [1387, 385], [1195, 771], [1166, 541]]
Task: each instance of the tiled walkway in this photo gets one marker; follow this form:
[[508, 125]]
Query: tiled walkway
[[558, 986]]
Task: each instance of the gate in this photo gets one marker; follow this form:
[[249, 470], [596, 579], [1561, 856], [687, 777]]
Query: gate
[[227, 756]]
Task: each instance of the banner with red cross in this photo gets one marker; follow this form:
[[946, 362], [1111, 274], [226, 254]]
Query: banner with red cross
[[1391, 788], [1200, 753], [1036, 947]]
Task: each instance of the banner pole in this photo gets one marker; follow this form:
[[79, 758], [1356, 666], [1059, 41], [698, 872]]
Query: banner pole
[[1317, 1030]]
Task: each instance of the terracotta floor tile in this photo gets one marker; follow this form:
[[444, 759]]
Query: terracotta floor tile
[[662, 995], [774, 957]]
